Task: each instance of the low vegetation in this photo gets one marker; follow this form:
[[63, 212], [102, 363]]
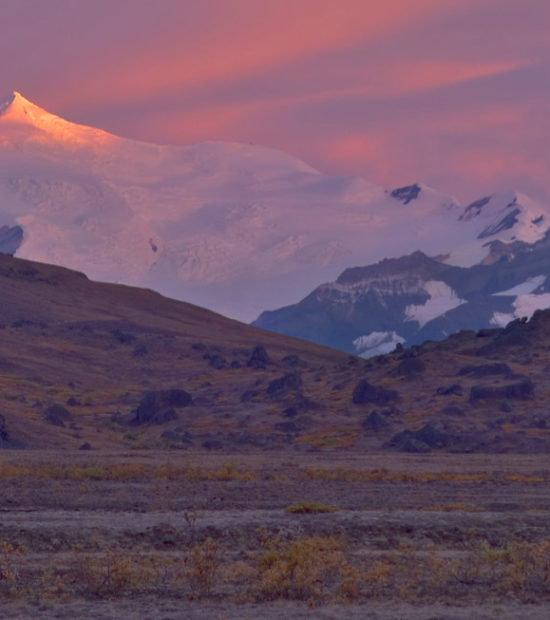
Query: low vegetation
[[265, 531]]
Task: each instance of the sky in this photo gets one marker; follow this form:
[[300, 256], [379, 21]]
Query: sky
[[451, 93]]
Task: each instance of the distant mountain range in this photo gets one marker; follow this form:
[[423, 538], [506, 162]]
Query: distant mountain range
[[408, 300], [242, 228]]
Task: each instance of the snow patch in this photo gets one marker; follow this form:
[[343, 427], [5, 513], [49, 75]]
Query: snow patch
[[442, 299], [523, 306], [530, 285], [377, 343]]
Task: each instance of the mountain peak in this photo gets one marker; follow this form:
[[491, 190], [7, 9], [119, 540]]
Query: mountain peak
[[18, 111], [15, 107]]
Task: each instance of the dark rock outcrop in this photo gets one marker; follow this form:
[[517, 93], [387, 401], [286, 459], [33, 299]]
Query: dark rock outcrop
[[177, 438], [485, 370], [433, 436], [407, 194], [281, 387], [365, 392], [430, 436], [405, 441], [375, 421], [521, 390], [57, 415], [10, 239], [217, 361], [158, 407], [410, 368], [250, 396], [259, 358], [294, 361], [452, 390]]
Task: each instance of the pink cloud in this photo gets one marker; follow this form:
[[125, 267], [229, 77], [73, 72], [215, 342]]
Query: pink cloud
[[395, 91]]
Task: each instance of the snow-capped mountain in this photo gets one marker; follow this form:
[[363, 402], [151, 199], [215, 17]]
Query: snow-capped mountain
[[407, 300], [234, 227]]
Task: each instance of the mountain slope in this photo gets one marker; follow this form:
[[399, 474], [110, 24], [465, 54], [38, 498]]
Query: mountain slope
[[237, 228], [96, 348], [85, 364]]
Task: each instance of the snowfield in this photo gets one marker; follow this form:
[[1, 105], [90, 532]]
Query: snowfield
[[233, 227]]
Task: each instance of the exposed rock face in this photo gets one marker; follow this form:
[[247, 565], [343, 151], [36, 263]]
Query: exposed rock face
[[10, 239], [406, 194]]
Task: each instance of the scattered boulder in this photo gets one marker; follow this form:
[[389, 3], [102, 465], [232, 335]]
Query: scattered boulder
[[410, 368], [521, 390], [365, 392], [294, 361], [85, 446], [216, 361], [375, 421], [158, 407], [452, 390], [165, 415], [259, 358], [405, 441], [287, 427], [433, 436], [250, 396], [279, 388], [212, 444], [485, 370], [57, 415], [414, 446], [177, 438]]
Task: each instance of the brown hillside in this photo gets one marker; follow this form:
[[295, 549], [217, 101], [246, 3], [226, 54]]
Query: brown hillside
[[78, 357]]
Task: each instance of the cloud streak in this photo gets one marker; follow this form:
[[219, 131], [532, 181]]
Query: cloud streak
[[394, 91]]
